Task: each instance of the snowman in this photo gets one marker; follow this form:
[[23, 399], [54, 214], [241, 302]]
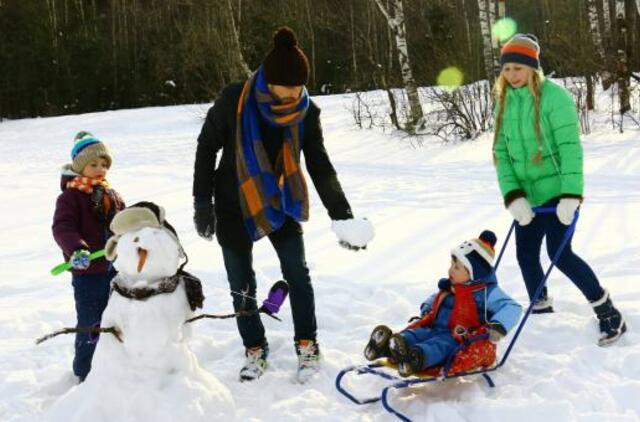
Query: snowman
[[149, 373]]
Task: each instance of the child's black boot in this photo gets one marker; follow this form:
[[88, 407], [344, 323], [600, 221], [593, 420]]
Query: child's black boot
[[378, 345], [398, 349], [412, 363]]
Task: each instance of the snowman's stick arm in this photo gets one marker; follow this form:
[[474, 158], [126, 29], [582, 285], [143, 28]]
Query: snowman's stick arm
[[234, 315], [81, 330]]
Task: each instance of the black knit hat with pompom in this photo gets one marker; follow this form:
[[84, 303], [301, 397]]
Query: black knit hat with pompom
[[285, 64]]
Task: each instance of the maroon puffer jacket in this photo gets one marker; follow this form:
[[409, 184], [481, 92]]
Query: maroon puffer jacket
[[77, 226]]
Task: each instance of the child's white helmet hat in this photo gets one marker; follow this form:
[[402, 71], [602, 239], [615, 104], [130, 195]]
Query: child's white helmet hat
[[477, 254]]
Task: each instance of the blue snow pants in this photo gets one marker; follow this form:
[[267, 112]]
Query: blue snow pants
[[91, 293], [436, 344]]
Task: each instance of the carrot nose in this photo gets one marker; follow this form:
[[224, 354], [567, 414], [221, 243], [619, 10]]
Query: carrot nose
[[142, 258]]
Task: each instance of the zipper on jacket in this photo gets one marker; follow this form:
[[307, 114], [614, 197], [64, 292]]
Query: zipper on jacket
[[523, 142]]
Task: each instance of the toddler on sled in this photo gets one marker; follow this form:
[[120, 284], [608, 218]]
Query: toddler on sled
[[468, 303]]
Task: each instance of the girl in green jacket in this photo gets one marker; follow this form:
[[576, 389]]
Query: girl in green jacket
[[538, 158]]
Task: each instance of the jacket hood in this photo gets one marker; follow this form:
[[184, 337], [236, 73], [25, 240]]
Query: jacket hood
[[66, 175]]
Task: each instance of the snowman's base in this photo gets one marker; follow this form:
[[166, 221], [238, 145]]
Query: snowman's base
[[150, 394]]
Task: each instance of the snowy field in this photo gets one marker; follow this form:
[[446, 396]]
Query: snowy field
[[422, 201]]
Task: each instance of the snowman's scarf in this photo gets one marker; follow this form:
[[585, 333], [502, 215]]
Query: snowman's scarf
[[193, 287]]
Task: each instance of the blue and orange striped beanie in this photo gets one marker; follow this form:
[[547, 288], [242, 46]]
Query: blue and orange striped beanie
[[86, 147], [522, 49]]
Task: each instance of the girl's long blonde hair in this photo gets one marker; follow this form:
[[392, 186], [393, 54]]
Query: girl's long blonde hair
[[534, 82]]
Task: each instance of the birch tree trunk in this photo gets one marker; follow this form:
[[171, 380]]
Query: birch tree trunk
[[502, 11], [623, 65], [312, 35], [467, 28], [354, 61], [606, 15], [395, 21], [238, 62], [486, 15], [596, 38]]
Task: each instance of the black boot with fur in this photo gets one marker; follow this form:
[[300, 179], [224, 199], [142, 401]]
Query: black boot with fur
[[611, 322]]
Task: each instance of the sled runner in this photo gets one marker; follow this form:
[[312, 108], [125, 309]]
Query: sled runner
[[464, 359]]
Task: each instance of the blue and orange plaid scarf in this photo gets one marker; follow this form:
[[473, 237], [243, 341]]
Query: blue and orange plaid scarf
[[268, 195]]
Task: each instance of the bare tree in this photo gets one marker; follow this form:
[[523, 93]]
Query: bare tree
[[623, 65], [502, 11], [395, 20], [598, 42], [236, 52], [467, 34], [596, 36], [606, 16], [354, 60], [460, 114], [312, 36], [486, 11]]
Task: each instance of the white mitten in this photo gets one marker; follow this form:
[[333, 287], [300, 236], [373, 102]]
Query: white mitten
[[521, 211], [353, 233], [566, 209]]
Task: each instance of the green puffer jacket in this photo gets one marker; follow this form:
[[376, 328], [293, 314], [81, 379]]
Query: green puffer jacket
[[559, 173]]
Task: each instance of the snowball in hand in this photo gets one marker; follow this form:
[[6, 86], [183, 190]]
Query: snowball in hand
[[355, 231]]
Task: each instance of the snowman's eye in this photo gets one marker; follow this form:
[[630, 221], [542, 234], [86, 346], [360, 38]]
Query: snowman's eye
[[136, 239]]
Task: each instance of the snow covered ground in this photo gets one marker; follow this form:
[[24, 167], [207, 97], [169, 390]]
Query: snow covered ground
[[422, 201]]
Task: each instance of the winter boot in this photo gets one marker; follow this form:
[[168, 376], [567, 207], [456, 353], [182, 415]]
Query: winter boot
[[256, 362], [398, 349], [308, 353], [412, 363], [544, 305], [612, 324], [378, 345]]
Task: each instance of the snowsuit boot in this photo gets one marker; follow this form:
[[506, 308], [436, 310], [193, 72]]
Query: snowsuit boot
[[378, 345]]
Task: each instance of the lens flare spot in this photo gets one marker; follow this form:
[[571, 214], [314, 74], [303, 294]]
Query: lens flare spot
[[451, 77], [504, 29]]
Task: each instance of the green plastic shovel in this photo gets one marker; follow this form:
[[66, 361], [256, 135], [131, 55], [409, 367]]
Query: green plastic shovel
[[60, 268]]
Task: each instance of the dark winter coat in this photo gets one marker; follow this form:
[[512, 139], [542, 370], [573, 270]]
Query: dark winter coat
[[219, 132], [77, 226]]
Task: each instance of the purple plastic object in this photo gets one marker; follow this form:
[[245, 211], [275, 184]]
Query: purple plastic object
[[277, 294], [94, 337]]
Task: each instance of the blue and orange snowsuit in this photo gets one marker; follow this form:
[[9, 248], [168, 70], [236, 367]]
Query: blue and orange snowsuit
[[465, 307]]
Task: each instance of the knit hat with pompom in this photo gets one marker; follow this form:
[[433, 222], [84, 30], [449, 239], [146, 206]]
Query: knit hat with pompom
[[522, 49], [86, 147], [477, 254], [285, 64]]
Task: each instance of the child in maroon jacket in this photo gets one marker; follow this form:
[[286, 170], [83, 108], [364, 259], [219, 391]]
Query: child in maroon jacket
[[81, 221]]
